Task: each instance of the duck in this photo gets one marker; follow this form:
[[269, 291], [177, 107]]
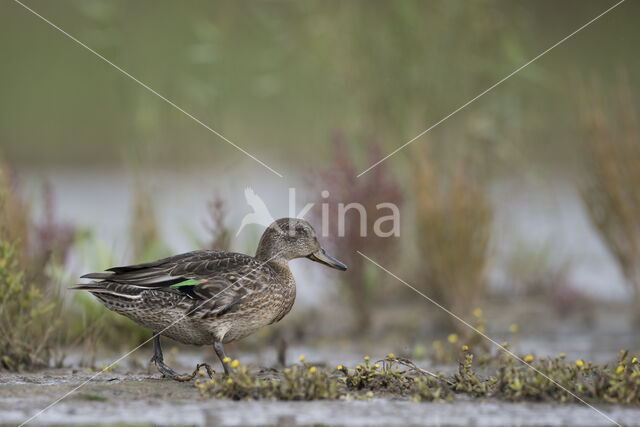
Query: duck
[[211, 297]]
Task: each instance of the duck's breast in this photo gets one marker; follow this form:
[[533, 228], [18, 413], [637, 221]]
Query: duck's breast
[[260, 309]]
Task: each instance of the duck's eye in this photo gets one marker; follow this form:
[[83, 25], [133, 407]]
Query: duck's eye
[[302, 230]]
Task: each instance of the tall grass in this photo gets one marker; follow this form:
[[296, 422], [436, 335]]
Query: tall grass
[[453, 222], [611, 188]]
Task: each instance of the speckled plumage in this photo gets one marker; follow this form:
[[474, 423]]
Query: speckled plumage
[[232, 294], [236, 296]]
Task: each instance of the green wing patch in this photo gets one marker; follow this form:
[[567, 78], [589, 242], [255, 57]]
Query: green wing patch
[[189, 282]]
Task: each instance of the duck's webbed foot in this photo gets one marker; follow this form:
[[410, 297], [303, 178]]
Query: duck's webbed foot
[[170, 373], [166, 371]]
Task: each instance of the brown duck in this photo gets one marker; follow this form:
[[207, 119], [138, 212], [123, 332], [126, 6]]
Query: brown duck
[[209, 296]]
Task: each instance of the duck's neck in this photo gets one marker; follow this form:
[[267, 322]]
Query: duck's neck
[[267, 252]]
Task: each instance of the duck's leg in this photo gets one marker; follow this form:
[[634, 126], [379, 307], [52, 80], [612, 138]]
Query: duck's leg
[[217, 347], [158, 359], [167, 371]]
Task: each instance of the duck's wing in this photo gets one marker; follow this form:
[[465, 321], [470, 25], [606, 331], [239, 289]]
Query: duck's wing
[[216, 281]]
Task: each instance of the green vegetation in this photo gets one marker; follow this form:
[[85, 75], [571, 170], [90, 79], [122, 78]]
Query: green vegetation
[[396, 377], [29, 319], [30, 301], [371, 67]]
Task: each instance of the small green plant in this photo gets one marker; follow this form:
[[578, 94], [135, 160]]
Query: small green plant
[[552, 380], [28, 318], [30, 300]]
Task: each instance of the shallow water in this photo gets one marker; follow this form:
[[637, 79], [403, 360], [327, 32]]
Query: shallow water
[[141, 398]]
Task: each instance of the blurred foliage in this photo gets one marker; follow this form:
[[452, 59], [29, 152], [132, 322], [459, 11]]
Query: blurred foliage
[[29, 319], [611, 190], [30, 302], [219, 232], [534, 269], [146, 239], [454, 217], [371, 67], [38, 326], [348, 230]]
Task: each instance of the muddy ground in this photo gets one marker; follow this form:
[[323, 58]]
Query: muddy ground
[[145, 398]]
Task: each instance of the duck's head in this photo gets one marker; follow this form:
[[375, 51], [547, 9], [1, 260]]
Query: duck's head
[[289, 238]]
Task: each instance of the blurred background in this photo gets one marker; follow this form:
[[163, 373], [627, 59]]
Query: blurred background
[[521, 213]]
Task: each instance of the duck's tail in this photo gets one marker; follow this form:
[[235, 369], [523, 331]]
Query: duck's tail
[[110, 288], [94, 286]]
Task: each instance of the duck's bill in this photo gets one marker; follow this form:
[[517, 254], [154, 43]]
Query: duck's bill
[[322, 257]]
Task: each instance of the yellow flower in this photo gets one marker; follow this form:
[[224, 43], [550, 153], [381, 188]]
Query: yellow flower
[[416, 379], [287, 371], [366, 358], [579, 363], [301, 358], [339, 367], [312, 369], [477, 312], [229, 381], [377, 366], [619, 369], [528, 358], [226, 360], [358, 367], [452, 338], [390, 356], [513, 328], [465, 348], [235, 363], [634, 360], [505, 344]]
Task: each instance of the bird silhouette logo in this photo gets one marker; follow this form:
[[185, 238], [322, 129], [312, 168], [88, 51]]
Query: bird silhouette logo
[[260, 214]]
